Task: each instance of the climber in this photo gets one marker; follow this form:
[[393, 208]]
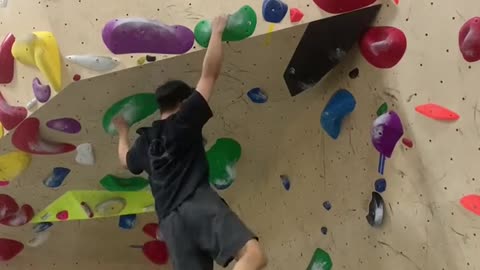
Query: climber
[[197, 224]]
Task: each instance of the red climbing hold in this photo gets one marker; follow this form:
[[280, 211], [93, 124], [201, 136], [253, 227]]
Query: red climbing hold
[[19, 218], [469, 40], [8, 206], [383, 46], [6, 59], [471, 203], [156, 252], [9, 249], [62, 215], [437, 112], [4, 183], [396, 2], [341, 6], [27, 139], [407, 142], [11, 116], [150, 229], [295, 15], [77, 77]]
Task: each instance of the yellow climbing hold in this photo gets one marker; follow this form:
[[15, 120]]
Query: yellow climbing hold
[[40, 49], [71, 201], [13, 164], [141, 60]]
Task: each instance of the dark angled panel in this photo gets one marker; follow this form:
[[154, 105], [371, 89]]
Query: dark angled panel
[[323, 45]]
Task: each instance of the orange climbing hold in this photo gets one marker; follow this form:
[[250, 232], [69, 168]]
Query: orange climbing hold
[[437, 112], [471, 203], [295, 15]]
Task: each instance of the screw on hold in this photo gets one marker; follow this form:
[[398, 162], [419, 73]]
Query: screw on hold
[[87, 209], [285, 182], [324, 230], [151, 58], [353, 74], [327, 205]]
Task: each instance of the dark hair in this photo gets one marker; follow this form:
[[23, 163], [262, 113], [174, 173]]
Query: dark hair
[[172, 93]]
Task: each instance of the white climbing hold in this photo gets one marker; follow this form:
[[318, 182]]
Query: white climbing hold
[[3, 3], [39, 239], [32, 104], [97, 63], [85, 155]]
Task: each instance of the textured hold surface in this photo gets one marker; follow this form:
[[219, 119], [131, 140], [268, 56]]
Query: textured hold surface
[[222, 158], [127, 222], [40, 49], [56, 179], [341, 6], [113, 183], [471, 203], [96, 63], [138, 35], [437, 112], [383, 46], [380, 185], [85, 155], [133, 109], [19, 218], [11, 116], [42, 92], [386, 132], [256, 95], [156, 251], [341, 104], [8, 206], [240, 26], [274, 10], [7, 62], [376, 210], [469, 40], [9, 249], [27, 139], [67, 125], [320, 261], [13, 164], [296, 15]]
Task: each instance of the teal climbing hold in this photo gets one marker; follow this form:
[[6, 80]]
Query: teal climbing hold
[[240, 25], [320, 261], [113, 183], [222, 158]]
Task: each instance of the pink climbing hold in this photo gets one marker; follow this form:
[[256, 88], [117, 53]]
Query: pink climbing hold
[[6, 59], [397, 2], [469, 40], [295, 15], [11, 116], [407, 142], [62, 215], [342, 6], [9, 249], [471, 203], [437, 112], [156, 251], [4, 183], [8, 206], [383, 46], [19, 218], [27, 139]]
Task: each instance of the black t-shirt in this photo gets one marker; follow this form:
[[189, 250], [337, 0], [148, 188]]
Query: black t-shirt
[[172, 153]]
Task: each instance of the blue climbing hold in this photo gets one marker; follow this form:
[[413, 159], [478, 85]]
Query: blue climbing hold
[[380, 185], [41, 227], [57, 177], [274, 10], [256, 95], [127, 222], [285, 182], [327, 205], [341, 104]]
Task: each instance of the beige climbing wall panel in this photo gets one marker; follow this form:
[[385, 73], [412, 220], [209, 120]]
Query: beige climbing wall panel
[[425, 227]]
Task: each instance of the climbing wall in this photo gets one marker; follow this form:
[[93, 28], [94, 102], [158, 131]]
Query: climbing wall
[[302, 191]]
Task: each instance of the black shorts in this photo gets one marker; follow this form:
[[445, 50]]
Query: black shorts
[[203, 229]]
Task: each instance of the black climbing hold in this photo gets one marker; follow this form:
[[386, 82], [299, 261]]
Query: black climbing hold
[[376, 210], [324, 230], [285, 182], [327, 205], [151, 58], [353, 74]]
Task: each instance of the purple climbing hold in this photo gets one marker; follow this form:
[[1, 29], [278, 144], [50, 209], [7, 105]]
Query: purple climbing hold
[[41, 91], [67, 125], [380, 185], [386, 132], [274, 10], [138, 35], [327, 205]]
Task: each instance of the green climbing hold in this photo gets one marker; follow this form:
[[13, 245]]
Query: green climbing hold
[[382, 109], [113, 183], [222, 158], [133, 109], [240, 25], [320, 261]]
